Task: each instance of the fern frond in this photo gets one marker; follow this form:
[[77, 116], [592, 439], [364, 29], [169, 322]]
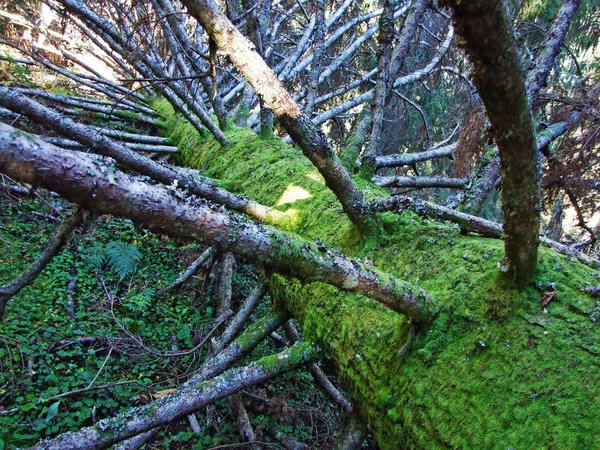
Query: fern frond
[[94, 256], [141, 301], [122, 258]]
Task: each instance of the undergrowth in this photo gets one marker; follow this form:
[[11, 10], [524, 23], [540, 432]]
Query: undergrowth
[[119, 334]]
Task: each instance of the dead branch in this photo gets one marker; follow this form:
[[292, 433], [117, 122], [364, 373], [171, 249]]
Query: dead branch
[[75, 175], [311, 140], [202, 261], [355, 432], [197, 185], [467, 222], [242, 315], [422, 182], [188, 399], [53, 246], [409, 159], [320, 378]]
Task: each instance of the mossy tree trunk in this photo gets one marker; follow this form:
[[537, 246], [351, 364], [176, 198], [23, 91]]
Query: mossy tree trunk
[[468, 379], [488, 37]]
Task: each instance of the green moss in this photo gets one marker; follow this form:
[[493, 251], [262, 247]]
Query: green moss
[[62, 91], [495, 370]]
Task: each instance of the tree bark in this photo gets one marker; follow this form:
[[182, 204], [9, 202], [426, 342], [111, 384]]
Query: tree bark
[[385, 40], [488, 37], [390, 61], [91, 182]]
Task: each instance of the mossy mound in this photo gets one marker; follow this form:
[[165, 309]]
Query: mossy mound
[[495, 370]]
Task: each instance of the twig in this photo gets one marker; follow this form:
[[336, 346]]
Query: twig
[[93, 388], [319, 376], [243, 444], [100, 369], [186, 274]]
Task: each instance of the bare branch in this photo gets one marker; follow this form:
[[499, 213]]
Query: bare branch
[[197, 185], [185, 401], [55, 243], [552, 42], [185, 275], [422, 182], [408, 159]]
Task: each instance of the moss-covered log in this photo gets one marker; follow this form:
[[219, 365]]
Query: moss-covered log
[[495, 370]]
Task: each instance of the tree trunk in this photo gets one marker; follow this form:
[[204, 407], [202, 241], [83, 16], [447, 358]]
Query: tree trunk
[[499, 77]]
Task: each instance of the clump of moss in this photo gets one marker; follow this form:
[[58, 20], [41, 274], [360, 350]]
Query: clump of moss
[[495, 370]]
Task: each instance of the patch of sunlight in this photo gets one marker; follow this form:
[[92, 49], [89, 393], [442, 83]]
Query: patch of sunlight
[[293, 193], [286, 220], [316, 176]]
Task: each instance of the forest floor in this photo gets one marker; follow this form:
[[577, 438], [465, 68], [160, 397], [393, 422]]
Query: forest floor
[[92, 335]]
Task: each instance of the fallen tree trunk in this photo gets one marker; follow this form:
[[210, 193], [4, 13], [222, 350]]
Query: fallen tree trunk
[[470, 377], [88, 136], [91, 182], [473, 364]]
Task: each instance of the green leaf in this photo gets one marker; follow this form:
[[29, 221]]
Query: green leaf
[[122, 258], [27, 407], [52, 411]]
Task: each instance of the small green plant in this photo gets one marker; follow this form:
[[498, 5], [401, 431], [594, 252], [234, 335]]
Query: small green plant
[[141, 301], [20, 74], [119, 257]]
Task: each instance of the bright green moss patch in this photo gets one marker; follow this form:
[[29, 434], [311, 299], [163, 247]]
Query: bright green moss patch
[[495, 370]]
